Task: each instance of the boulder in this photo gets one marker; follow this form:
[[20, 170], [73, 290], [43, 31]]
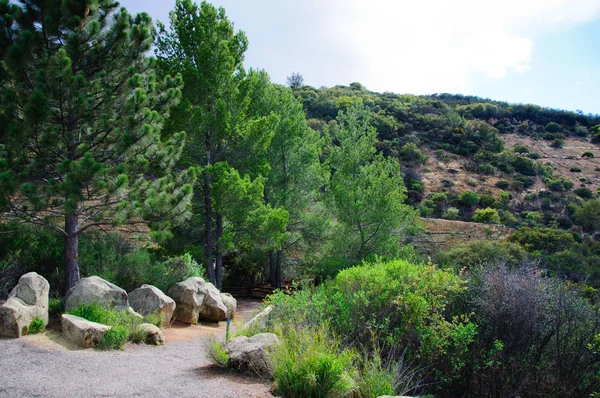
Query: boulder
[[249, 355], [230, 303], [27, 301], [81, 331], [212, 308], [152, 334], [195, 299], [94, 289], [149, 300], [260, 320]]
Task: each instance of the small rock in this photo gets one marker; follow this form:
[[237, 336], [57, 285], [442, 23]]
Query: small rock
[[27, 301], [249, 355], [152, 334], [148, 300], [81, 331], [94, 289]]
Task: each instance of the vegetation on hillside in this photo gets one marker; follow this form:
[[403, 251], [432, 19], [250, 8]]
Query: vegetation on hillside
[[146, 169]]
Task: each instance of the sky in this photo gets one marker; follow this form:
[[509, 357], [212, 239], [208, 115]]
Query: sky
[[545, 52]]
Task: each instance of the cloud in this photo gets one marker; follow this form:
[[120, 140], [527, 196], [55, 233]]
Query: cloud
[[434, 46]]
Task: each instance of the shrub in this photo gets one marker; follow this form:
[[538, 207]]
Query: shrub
[[311, 364], [542, 239], [524, 166], [410, 153], [588, 215], [557, 143], [36, 326], [536, 336], [215, 352], [487, 216], [56, 306], [451, 213], [584, 193], [534, 155], [502, 184], [587, 155], [469, 199], [124, 325], [476, 253], [575, 170]]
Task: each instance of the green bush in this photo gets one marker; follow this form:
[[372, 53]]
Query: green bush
[[502, 184], [215, 352], [56, 306], [487, 216], [478, 253], [575, 170], [587, 155], [584, 193], [36, 326], [542, 239], [124, 325], [469, 199], [311, 364]]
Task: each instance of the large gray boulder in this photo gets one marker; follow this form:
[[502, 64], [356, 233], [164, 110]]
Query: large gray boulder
[[81, 331], [197, 299], [27, 301], [148, 300], [260, 320], [152, 334], [94, 289], [249, 355]]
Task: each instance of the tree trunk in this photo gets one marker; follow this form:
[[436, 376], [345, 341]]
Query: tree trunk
[[272, 269], [72, 249], [219, 253], [208, 217], [278, 262]]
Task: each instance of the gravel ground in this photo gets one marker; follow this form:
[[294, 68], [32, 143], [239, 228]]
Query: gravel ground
[[43, 366]]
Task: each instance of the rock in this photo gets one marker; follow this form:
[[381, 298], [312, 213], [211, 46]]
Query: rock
[[148, 300], [260, 320], [94, 289], [212, 308], [249, 355], [81, 331], [230, 303], [195, 299], [27, 301], [152, 334]]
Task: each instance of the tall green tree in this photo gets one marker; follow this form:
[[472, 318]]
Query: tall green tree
[[225, 139], [366, 190], [81, 119], [295, 173]]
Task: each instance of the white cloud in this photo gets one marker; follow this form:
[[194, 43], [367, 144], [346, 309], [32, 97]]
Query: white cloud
[[435, 46]]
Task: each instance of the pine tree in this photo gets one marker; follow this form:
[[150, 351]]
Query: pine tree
[[366, 190], [81, 119]]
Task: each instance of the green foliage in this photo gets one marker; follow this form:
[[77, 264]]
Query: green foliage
[[469, 199], [394, 307], [215, 352], [311, 364], [587, 154], [103, 159], [483, 253], [56, 306], [543, 239], [366, 190], [487, 216], [521, 148], [410, 153], [588, 215], [502, 184], [524, 166], [124, 325], [36, 326], [584, 193], [575, 170]]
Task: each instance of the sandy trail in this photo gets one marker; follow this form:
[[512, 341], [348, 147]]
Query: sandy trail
[[46, 365]]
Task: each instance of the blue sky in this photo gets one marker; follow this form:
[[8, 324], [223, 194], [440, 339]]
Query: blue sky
[[545, 52]]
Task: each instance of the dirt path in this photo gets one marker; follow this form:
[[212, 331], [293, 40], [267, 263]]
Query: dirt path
[[46, 366]]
